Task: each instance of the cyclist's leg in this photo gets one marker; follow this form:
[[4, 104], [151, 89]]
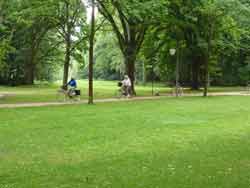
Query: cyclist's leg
[[126, 91], [123, 91]]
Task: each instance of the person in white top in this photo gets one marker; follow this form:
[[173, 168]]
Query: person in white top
[[126, 84]]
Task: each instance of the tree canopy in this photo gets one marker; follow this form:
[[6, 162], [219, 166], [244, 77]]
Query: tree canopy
[[43, 40]]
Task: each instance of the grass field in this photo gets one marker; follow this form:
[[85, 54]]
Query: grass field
[[102, 89], [185, 143]]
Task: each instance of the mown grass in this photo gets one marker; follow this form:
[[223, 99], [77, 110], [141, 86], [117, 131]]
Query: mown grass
[[177, 143]]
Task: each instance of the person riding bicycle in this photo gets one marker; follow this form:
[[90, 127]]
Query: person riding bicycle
[[121, 90], [72, 87], [126, 84]]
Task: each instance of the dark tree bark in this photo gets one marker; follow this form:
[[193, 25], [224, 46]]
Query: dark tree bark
[[206, 67], [66, 62], [130, 54], [67, 39], [206, 79], [91, 54], [29, 71], [130, 71], [29, 74], [195, 85]]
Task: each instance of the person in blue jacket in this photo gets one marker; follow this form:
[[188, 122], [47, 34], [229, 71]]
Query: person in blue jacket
[[72, 87], [72, 83]]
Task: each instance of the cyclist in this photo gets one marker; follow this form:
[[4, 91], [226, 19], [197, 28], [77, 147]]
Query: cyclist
[[126, 84], [72, 87]]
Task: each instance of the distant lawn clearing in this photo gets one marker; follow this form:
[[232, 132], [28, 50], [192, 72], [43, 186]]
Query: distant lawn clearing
[[185, 143]]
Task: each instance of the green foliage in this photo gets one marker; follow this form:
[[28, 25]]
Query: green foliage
[[195, 23], [34, 30], [33, 34], [108, 58]]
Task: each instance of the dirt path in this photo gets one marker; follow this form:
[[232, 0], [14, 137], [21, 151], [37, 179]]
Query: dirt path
[[40, 104]]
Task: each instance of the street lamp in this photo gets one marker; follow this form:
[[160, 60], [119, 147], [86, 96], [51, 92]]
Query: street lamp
[[172, 52]]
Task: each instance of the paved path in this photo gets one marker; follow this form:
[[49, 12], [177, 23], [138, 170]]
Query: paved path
[[40, 104]]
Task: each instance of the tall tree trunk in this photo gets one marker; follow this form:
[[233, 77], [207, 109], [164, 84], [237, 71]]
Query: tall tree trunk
[[206, 79], [29, 72], [130, 58], [91, 54], [68, 47], [67, 61], [195, 73], [130, 70], [206, 83]]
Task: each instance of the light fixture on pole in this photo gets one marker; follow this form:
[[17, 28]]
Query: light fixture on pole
[[172, 51]]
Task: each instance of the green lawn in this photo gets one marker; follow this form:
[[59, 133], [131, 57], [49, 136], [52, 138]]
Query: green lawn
[[102, 89], [177, 143]]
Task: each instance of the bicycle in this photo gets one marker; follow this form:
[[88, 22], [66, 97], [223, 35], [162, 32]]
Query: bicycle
[[63, 94], [120, 92], [177, 91]]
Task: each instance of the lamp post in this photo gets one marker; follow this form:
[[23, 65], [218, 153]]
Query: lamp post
[[173, 52]]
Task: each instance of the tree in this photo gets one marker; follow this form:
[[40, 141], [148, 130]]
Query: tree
[[91, 52], [130, 21], [215, 21], [108, 58], [71, 26]]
